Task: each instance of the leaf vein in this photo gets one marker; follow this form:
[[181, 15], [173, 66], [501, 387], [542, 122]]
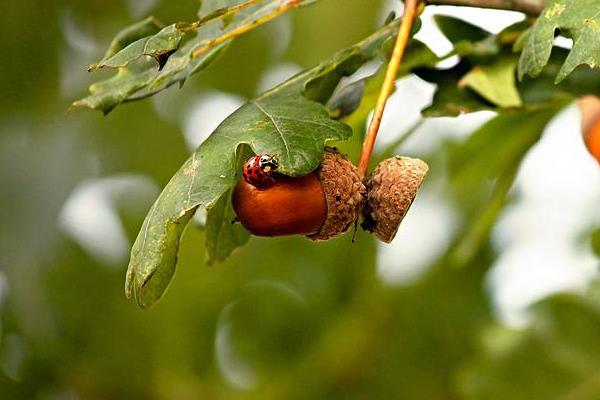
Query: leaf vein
[[277, 128]]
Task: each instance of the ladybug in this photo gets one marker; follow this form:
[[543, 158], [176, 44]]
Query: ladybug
[[259, 170]]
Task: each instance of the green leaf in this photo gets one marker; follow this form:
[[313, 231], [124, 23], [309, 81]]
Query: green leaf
[[482, 170], [154, 62], [497, 146], [157, 46], [222, 234], [495, 82], [458, 30], [485, 82], [283, 122], [542, 89], [354, 101], [557, 357], [575, 19], [596, 242], [146, 27], [483, 65], [470, 41], [449, 98]]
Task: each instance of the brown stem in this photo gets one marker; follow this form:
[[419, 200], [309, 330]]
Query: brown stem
[[223, 12], [245, 28], [410, 11], [531, 7]]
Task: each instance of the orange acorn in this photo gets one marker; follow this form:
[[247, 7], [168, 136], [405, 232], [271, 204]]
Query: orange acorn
[[590, 124], [592, 140], [321, 205]]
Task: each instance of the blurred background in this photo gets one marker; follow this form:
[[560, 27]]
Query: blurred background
[[508, 311]]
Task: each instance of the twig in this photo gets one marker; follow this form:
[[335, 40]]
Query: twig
[[245, 28], [531, 7], [410, 11], [222, 13]]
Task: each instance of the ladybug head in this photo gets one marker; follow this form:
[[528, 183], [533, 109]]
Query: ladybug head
[[267, 163]]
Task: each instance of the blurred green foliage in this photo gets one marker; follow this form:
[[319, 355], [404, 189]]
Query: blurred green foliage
[[282, 318]]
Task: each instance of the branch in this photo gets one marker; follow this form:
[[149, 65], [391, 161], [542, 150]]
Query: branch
[[408, 18], [246, 27], [531, 7], [222, 13]]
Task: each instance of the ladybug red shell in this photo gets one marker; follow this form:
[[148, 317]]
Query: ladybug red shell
[[258, 170]]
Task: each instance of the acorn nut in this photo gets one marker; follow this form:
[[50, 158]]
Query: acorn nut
[[391, 189], [321, 205], [590, 124]]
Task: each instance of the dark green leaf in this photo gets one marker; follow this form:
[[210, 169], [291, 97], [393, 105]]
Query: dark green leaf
[[281, 122], [486, 83], [141, 29], [449, 98], [596, 242], [483, 79], [558, 357], [354, 101], [484, 167], [541, 90], [513, 35], [222, 234], [498, 145], [457, 30], [468, 40], [575, 19], [495, 82], [156, 46], [173, 51]]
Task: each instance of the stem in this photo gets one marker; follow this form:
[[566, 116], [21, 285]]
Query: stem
[[245, 28], [531, 7], [410, 11], [222, 13]]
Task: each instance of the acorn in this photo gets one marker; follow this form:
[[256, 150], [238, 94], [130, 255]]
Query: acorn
[[590, 124], [320, 205], [391, 189]]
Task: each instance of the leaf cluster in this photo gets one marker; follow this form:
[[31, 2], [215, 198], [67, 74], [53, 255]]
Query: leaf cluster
[[297, 118]]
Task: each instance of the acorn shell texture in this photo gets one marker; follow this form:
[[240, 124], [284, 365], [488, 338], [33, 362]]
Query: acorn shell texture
[[391, 189], [288, 206], [344, 194]]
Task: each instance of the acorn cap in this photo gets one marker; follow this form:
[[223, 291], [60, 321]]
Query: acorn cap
[[391, 189], [344, 194]]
